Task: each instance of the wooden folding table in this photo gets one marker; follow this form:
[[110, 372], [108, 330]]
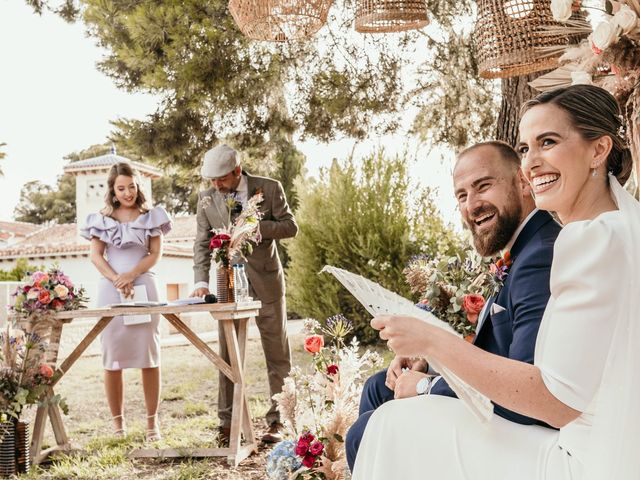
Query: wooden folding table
[[226, 314]]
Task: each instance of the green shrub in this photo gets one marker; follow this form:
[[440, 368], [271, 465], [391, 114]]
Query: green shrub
[[358, 216]]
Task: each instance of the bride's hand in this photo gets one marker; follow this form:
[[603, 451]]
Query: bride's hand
[[406, 336]]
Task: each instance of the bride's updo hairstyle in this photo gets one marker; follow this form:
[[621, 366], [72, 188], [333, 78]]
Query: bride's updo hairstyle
[[594, 113]]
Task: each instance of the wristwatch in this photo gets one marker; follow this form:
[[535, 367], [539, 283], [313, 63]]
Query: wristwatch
[[423, 385]]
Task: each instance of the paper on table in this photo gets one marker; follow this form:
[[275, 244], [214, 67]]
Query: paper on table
[[139, 296], [187, 301], [380, 301]]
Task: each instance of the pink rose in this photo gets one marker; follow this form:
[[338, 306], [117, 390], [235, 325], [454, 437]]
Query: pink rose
[[313, 343], [44, 297], [332, 369], [38, 278], [46, 370], [33, 293], [472, 304], [316, 448]]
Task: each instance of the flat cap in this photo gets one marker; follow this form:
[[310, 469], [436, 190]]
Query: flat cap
[[219, 161]]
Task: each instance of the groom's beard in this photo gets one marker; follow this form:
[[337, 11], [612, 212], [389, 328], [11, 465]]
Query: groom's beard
[[492, 241]]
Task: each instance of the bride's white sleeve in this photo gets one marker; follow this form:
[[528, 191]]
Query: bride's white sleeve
[[588, 265]]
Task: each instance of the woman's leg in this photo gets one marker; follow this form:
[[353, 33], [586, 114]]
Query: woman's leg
[[151, 389], [114, 389]]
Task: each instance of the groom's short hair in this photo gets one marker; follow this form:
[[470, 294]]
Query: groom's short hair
[[506, 151]]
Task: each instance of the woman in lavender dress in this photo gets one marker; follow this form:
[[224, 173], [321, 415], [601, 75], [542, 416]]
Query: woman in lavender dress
[[126, 242]]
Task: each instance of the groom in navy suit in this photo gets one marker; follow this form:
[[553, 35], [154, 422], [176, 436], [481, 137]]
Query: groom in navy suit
[[497, 207]]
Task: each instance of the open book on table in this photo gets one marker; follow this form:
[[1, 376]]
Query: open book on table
[[380, 301], [140, 299]]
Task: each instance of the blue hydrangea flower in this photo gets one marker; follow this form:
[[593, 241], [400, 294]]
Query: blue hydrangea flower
[[282, 461]]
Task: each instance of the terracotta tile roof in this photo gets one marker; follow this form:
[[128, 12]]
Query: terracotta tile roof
[[62, 240], [184, 228], [104, 162], [18, 229]]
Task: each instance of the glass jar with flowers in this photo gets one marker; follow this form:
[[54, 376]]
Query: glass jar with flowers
[[230, 243]]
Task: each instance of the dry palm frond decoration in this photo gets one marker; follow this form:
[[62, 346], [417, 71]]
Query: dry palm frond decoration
[[279, 20], [390, 15], [516, 37], [610, 58]]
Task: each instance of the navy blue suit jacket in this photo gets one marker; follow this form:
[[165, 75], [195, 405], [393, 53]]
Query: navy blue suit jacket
[[512, 332]]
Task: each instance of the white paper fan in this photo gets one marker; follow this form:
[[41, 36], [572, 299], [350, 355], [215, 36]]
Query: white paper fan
[[380, 301]]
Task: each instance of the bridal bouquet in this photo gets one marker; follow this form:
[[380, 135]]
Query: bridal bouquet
[[318, 406], [454, 288], [235, 239]]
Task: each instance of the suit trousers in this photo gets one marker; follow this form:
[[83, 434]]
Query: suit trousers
[[272, 324]]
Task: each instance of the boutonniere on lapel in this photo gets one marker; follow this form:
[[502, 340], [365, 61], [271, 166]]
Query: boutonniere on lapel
[[206, 201], [500, 269], [257, 191]]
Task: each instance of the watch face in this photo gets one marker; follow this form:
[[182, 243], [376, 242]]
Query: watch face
[[422, 386]]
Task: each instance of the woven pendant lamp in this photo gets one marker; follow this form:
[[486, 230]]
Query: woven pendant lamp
[[279, 20], [390, 15], [517, 37]]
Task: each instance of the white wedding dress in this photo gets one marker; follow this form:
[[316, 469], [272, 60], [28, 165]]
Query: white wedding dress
[[593, 289]]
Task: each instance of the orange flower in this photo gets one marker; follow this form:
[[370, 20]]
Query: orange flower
[[44, 297], [472, 304], [313, 343], [46, 370]]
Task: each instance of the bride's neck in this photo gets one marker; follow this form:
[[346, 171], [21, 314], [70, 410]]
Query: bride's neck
[[590, 203]]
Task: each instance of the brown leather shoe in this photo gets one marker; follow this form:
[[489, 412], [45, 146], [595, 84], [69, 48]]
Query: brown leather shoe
[[274, 433], [224, 433]]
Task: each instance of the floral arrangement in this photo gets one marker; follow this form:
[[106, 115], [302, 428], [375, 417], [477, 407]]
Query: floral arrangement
[[318, 407], [456, 288], [25, 375], [235, 239], [47, 291], [609, 57]]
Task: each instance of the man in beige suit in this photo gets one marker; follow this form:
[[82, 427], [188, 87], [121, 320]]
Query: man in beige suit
[[266, 278]]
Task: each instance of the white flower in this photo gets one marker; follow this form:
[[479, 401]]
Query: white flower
[[581, 78], [561, 10], [625, 18], [604, 35]]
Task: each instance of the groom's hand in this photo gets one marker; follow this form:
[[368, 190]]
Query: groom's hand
[[406, 384], [398, 364]]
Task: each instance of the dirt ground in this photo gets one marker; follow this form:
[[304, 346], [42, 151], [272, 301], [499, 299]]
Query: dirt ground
[[188, 419]]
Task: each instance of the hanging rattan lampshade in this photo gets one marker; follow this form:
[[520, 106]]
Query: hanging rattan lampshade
[[516, 37], [390, 15], [279, 20]]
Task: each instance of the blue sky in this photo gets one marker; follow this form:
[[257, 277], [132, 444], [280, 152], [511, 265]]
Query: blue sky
[[54, 101]]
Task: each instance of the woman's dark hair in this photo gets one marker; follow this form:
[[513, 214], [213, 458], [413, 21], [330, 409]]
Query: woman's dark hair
[[594, 113], [122, 168]]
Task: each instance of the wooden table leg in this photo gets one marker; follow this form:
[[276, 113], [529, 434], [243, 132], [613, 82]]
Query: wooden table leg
[[236, 345], [53, 411]]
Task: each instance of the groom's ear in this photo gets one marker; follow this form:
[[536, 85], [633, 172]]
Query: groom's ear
[[525, 186]]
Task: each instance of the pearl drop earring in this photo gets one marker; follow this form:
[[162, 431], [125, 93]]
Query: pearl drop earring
[[594, 172]]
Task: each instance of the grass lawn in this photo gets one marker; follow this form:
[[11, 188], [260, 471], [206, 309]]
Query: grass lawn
[[188, 419]]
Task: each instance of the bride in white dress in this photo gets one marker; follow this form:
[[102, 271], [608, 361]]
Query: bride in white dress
[[584, 380]]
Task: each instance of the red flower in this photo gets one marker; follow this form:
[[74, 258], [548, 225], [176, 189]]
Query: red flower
[[309, 461], [316, 448], [301, 449], [44, 297], [472, 304], [332, 369], [218, 240], [313, 343], [595, 49], [46, 370], [57, 304]]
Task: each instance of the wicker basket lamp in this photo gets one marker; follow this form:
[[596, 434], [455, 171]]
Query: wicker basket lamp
[[513, 38], [390, 15], [279, 20]]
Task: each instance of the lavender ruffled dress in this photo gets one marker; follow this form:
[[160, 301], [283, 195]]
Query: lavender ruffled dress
[[128, 346]]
